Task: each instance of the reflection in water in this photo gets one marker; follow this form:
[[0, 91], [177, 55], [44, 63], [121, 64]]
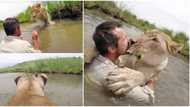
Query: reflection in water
[[64, 36], [61, 89]]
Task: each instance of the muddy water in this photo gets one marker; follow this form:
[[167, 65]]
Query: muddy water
[[61, 89], [63, 37], [172, 88]]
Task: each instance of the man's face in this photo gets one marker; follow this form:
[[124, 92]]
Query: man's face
[[122, 40]]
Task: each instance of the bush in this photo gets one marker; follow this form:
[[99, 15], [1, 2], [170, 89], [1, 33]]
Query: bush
[[64, 9], [25, 16]]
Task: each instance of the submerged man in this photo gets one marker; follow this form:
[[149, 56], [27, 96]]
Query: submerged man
[[13, 42], [111, 42]]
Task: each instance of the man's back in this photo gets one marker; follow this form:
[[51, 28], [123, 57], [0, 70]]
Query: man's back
[[12, 44]]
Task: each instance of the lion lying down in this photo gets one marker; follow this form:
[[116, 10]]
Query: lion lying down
[[30, 91], [148, 55]]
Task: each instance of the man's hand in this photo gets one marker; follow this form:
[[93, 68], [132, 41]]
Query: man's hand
[[35, 40], [123, 80], [35, 35]]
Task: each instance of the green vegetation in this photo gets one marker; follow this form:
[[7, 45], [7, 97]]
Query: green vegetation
[[25, 16], [1, 24], [52, 65], [64, 9], [110, 8]]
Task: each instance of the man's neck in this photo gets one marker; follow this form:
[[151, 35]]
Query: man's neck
[[112, 57]]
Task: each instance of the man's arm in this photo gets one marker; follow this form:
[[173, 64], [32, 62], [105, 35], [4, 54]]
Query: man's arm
[[35, 40], [130, 83]]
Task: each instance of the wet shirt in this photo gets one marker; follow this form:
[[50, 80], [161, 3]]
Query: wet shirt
[[101, 67], [12, 44]]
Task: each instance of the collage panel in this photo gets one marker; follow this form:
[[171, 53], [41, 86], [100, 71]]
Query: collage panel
[[41, 26], [131, 61], [41, 44], [41, 79]]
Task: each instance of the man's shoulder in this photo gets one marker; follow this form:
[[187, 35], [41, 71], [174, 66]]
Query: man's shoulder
[[15, 44], [99, 62]]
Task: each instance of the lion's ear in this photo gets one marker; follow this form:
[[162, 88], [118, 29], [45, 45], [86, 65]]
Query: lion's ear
[[175, 48], [44, 78], [16, 79]]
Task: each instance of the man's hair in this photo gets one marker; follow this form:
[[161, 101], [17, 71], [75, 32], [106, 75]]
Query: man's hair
[[10, 25], [104, 37]]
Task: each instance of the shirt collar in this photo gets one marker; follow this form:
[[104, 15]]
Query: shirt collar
[[105, 60], [13, 37]]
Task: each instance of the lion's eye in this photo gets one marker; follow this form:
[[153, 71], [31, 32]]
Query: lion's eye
[[155, 39]]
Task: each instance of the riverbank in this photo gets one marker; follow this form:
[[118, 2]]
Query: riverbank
[[71, 65], [109, 8], [57, 10]]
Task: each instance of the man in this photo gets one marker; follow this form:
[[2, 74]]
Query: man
[[111, 42], [14, 43]]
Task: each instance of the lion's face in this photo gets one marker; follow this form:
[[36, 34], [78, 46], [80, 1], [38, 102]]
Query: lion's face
[[39, 13], [36, 82], [35, 10]]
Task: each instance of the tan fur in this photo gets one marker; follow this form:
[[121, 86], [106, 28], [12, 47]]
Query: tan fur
[[89, 54], [40, 14], [29, 92], [150, 53]]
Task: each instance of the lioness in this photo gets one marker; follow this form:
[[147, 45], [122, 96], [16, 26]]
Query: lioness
[[40, 14], [149, 54], [30, 91]]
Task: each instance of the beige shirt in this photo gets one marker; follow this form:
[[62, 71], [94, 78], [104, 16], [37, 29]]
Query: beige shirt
[[12, 44], [101, 67]]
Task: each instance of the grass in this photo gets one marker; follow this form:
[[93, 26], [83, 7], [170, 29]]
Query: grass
[[110, 8], [72, 65]]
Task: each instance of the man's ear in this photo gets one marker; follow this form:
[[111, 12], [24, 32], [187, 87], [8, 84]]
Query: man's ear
[[44, 78], [17, 31], [16, 79], [111, 49]]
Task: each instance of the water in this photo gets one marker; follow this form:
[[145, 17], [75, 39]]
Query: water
[[172, 88], [63, 37], [63, 90]]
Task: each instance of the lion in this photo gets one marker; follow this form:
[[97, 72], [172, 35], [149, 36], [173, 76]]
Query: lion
[[148, 54], [40, 14], [30, 91]]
